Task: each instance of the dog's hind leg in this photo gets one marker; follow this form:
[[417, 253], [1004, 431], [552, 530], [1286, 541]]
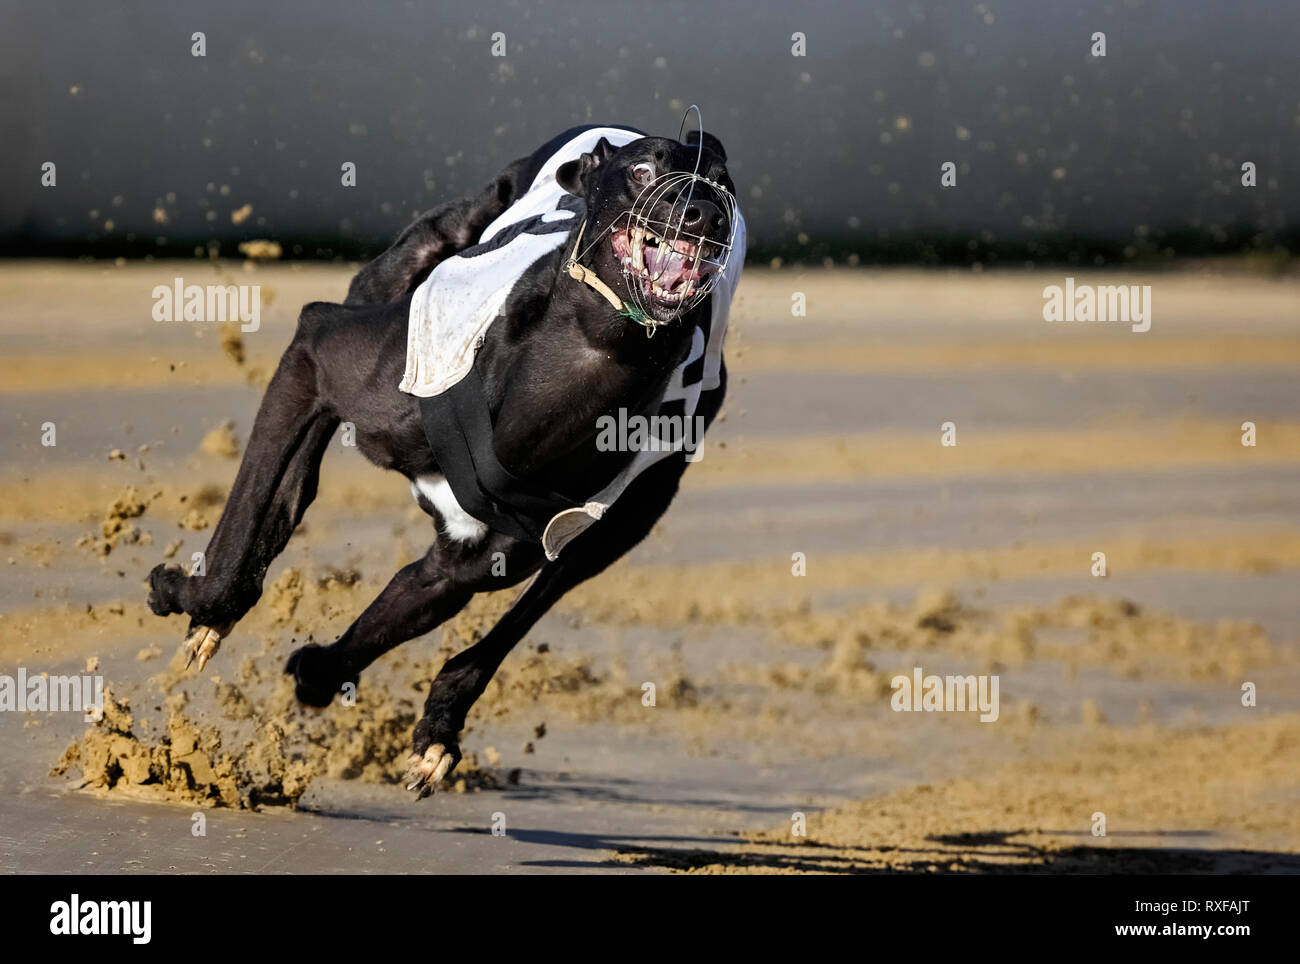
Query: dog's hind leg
[[296, 491], [464, 677], [434, 236], [276, 481]]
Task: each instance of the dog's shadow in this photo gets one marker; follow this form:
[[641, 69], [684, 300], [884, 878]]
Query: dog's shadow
[[987, 852]]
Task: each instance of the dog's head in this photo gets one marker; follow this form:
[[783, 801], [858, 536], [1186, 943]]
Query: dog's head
[[661, 216]]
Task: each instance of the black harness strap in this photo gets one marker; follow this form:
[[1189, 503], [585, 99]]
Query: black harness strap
[[458, 425]]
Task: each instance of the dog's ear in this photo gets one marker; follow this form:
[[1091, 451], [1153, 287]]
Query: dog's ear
[[572, 175], [711, 143]]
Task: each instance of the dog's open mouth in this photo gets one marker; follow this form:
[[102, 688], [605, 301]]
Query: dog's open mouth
[[669, 271]]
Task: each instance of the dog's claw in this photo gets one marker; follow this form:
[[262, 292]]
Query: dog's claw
[[427, 772], [203, 642]]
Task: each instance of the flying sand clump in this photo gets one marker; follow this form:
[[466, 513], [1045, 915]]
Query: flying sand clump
[[259, 748]]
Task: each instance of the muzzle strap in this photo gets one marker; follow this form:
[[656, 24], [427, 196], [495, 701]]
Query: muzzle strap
[[579, 273]]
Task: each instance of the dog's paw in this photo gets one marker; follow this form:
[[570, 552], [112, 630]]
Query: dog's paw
[[202, 643], [316, 678], [164, 589], [425, 772]]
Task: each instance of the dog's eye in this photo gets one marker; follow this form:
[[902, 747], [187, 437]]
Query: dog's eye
[[643, 173]]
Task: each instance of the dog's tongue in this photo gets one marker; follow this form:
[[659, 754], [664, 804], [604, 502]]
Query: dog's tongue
[[667, 269]]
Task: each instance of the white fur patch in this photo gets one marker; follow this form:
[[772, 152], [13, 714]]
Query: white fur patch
[[459, 525]]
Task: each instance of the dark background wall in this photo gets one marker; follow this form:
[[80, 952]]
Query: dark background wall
[[1060, 155]]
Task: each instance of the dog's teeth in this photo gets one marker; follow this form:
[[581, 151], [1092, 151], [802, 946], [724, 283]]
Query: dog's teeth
[[638, 239]]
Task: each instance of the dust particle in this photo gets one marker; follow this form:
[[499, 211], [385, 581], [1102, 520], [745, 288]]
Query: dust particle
[[221, 442]]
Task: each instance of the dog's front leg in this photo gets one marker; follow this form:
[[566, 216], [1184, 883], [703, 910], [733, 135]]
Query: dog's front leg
[[419, 598], [464, 677]]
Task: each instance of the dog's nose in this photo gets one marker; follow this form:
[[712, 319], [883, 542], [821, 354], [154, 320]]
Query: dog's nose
[[702, 217]]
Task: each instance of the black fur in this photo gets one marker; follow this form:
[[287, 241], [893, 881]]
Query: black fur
[[560, 358]]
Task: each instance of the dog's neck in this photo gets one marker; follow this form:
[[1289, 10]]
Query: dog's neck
[[585, 358], [606, 327]]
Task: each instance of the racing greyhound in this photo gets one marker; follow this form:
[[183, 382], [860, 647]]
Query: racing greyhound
[[611, 317]]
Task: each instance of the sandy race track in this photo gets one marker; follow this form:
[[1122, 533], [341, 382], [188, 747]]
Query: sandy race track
[[1118, 695]]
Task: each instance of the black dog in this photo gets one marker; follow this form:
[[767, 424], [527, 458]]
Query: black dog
[[558, 357]]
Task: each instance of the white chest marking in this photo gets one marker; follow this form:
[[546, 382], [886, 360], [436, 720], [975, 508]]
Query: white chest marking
[[458, 524]]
